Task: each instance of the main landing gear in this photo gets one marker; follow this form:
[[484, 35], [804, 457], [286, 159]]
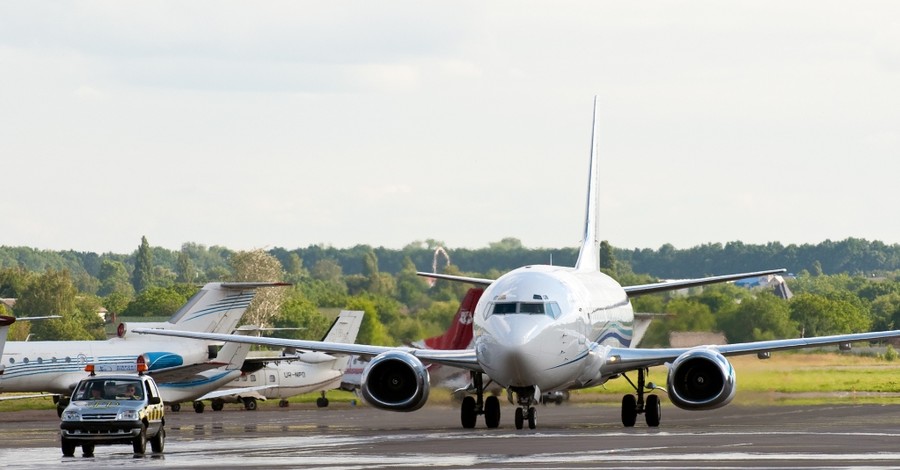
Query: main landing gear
[[477, 405], [634, 405]]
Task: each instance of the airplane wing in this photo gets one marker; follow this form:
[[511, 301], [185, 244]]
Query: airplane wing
[[183, 373], [463, 358], [226, 392], [633, 359], [635, 290], [449, 277], [642, 289]]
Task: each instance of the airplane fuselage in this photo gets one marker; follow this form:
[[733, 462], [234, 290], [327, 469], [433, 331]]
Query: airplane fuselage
[[550, 327], [56, 366], [291, 378]]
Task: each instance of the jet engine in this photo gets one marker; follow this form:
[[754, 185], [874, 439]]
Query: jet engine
[[395, 380], [701, 379]]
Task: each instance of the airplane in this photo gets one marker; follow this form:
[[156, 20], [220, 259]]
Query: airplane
[[541, 328], [292, 373], [184, 369]]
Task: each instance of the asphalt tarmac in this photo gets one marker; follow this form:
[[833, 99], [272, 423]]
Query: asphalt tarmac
[[567, 436]]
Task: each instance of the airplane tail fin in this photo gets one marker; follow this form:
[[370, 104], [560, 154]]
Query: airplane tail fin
[[589, 255], [459, 335], [345, 329], [216, 308]]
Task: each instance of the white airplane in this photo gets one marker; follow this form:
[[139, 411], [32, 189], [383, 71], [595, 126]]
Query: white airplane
[[550, 328], [184, 369], [291, 373]]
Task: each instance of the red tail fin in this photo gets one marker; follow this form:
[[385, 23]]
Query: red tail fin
[[459, 335]]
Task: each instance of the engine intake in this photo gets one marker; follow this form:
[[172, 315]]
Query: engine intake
[[395, 380], [701, 379]]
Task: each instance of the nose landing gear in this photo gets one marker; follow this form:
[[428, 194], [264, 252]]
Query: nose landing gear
[[525, 411]]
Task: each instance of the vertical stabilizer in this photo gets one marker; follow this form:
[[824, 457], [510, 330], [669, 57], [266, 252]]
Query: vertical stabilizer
[[589, 255], [345, 329], [217, 307], [459, 335]]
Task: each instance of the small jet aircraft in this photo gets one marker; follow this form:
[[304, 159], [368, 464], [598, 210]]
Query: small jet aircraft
[[541, 329], [183, 369], [291, 373]]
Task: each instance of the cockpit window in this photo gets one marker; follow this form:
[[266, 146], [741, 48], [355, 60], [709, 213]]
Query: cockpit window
[[528, 308]]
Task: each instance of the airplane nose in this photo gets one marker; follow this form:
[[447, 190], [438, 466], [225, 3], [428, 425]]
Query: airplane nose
[[514, 353]]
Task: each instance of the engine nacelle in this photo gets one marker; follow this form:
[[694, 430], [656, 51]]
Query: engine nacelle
[[701, 379], [395, 380]]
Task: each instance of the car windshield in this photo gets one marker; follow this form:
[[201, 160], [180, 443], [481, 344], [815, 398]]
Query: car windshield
[[109, 389]]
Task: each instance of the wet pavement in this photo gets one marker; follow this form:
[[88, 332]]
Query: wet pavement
[[567, 436]]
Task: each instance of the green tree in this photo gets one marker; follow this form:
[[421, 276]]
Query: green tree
[[184, 269], [372, 331], [761, 317], [607, 258], [885, 311], [113, 277], [302, 317], [155, 302], [54, 293], [142, 277], [818, 315]]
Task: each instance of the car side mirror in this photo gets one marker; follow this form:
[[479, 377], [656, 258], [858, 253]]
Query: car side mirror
[[154, 401]]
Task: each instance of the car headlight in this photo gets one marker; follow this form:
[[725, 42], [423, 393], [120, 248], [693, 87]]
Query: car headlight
[[71, 416], [128, 415]]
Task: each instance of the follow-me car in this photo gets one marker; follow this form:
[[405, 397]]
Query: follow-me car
[[114, 409]]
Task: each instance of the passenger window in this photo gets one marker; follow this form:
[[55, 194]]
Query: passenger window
[[272, 378], [253, 377], [12, 360]]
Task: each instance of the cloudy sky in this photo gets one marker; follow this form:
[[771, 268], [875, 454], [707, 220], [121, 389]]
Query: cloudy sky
[[285, 124]]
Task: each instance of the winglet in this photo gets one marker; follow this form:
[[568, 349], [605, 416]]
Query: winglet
[[589, 255]]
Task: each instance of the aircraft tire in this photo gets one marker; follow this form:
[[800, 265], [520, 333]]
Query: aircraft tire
[[283, 403], [520, 418], [467, 415], [87, 449], [322, 402], [492, 412], [532, 418], [217, 405], [199, 406], [653, 411], [250, 404], [176, 407], [629, 411]]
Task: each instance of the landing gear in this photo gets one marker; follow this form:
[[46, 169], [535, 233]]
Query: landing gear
[[176, 407], [525, 398], [322, 402], [283, 403], [471, 406], [523, 414], [199, 406], [218, 405], [249, 403], [634, 405]]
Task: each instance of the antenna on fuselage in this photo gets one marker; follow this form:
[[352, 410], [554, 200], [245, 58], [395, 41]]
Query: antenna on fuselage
[[589, 255]]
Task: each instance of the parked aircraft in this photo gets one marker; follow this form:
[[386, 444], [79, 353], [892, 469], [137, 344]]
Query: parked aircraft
[[292, 373], [184, 369], [547, 328]]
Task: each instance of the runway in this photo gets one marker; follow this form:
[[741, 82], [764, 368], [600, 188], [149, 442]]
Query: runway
[[568, 436]]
